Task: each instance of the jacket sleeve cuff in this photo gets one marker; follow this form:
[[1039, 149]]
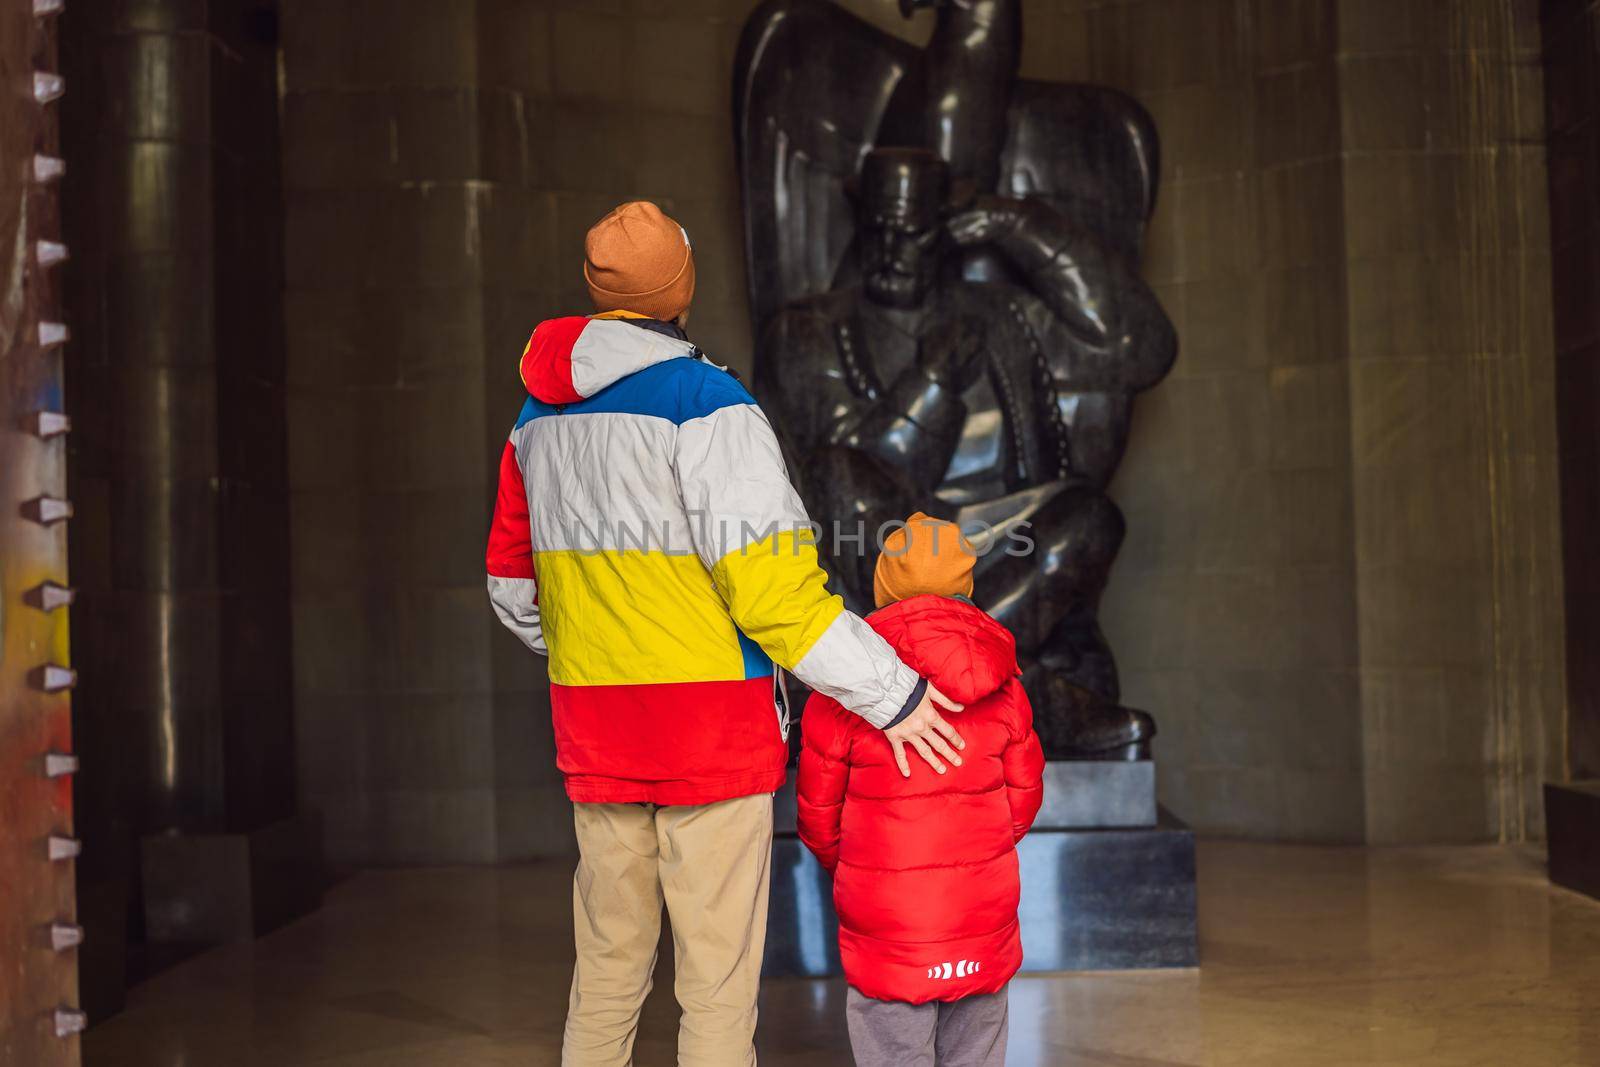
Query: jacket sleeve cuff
[[911, 703]]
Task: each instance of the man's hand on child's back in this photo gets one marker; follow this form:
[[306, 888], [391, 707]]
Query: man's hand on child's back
[[927, 732]]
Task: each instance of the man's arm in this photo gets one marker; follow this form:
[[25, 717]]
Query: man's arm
[[1122, 338], [513, 586], [915, 424], [752, 533], [826, 396]]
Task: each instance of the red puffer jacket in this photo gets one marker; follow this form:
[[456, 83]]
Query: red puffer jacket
[[924, 868]]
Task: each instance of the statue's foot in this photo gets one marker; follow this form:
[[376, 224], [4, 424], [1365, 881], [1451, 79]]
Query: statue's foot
[[1074, 723], [1111, 732]]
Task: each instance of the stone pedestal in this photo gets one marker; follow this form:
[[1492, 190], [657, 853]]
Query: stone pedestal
[[1108, 881], [209, 889], [1572, 824]]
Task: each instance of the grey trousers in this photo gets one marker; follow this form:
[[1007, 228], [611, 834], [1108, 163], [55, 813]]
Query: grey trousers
[[970, 1032]]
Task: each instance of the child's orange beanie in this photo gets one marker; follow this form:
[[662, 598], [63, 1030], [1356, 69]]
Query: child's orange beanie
[[637, 259], [928, 556]]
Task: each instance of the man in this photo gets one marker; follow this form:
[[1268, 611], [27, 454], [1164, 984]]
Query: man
[[646, 538]]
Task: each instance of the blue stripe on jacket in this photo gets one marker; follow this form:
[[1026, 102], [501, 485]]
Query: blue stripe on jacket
[[677, 390]]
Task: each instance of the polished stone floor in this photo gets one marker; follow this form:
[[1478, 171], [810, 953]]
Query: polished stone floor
[[1311, 956]]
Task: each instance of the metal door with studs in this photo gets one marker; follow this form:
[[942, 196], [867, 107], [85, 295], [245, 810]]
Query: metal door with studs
[[39, 1017]]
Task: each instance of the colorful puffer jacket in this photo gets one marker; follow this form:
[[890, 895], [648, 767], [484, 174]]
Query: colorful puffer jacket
[[925, 875], [646, 537]]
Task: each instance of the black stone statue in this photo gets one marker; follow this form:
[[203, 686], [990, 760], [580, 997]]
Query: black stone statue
[[956, 326]]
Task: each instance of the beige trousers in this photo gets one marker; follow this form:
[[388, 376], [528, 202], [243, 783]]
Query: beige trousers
[[710, 865]]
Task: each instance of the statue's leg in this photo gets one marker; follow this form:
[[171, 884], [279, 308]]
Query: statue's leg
[[1048, 597]]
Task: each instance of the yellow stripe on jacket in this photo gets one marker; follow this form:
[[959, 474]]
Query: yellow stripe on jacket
[[633, 618], [775, 585]]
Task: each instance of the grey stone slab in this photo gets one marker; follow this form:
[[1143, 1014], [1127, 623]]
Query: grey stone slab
[[593, 146], [330, 735], [515, 48], [1299, 221], [1302, 314], [347, 819], [1157, 47], [1311, 511], [357, 339], [410, 638], [1238, 801], [1098, 794], [1324, 806], [517, 670], [680, 61], [533, 823], [432, 826], [516, 229], [423, 234], [1223, 216], [524, 738], [366, 139], [379, 42], [430, 741], [1198, 124], [1412, 803], [1244, 533], [405, 438], [367, 539], [586, 73], [1296, 114]]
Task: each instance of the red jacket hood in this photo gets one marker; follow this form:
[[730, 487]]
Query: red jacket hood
[[955, 645], [572, 358]]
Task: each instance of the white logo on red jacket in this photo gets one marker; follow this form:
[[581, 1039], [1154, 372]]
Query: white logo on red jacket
[[945, 971]]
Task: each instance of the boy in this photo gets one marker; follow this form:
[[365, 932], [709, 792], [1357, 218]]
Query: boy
[[925, 868]]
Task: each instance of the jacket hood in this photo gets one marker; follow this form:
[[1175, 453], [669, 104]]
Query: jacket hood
[[572, 358], [966, 654]]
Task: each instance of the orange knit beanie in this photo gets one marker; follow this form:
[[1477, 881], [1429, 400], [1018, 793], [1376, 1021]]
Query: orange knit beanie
[[637, 259], [928, 556]]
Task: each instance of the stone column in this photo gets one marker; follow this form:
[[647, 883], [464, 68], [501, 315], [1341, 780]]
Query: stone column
[[176, 378], [1452, 432]]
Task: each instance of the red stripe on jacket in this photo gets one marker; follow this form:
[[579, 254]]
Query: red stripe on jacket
[[510, 551], [651, 729]]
